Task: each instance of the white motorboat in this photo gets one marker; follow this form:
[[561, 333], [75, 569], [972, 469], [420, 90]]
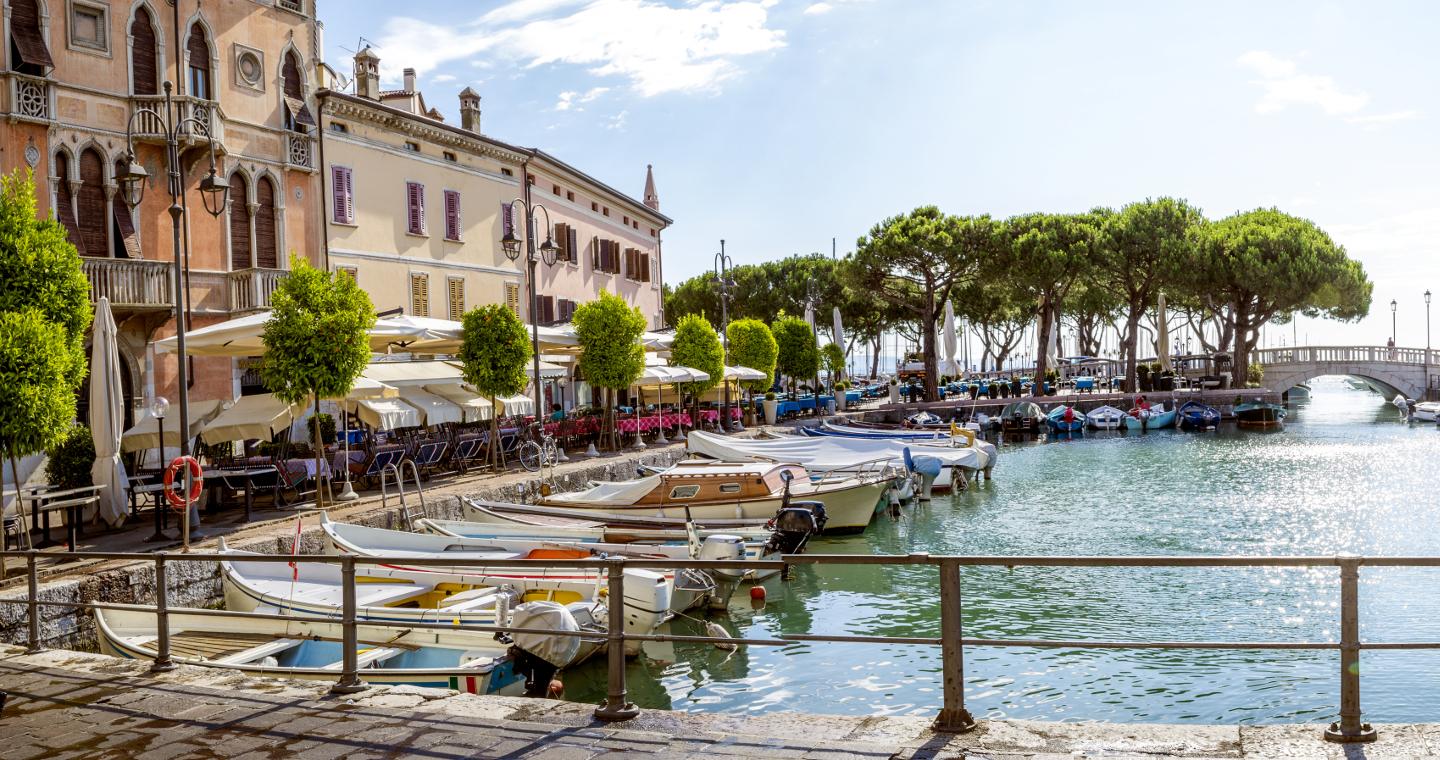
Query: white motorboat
[[699, 490], [842, 454], [1105, 418], [1425, 411], [310, 649], [481, 517]]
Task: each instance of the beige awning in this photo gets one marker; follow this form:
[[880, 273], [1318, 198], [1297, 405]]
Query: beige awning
[[401, 374], [471, 404], [743, 373], [146, 433], [387, 413], [434, 410], [249, 418], [517, 404]]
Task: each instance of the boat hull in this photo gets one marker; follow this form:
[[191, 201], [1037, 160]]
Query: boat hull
[[1155, 421]]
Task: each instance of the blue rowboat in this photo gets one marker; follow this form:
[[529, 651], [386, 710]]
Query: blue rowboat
[[1154, 418], [1197, 416], [1055, 418]]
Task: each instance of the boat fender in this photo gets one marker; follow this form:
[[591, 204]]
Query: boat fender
[[715, 630]]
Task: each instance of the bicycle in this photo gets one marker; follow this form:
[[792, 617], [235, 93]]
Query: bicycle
[[538, 449]]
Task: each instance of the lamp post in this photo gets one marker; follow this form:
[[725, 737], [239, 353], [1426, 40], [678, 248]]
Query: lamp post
[[158, 408], [549, 252], [812, 299], [1393, 306], [1425, 392], [723, 265], [214, 191]]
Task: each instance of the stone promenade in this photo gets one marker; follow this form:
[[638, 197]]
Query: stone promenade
[[66, 705]]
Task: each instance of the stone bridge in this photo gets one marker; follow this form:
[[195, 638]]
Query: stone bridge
[[1389, 371]]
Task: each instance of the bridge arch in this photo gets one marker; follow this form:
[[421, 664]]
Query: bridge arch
[[1391, 370], [1386, 384]]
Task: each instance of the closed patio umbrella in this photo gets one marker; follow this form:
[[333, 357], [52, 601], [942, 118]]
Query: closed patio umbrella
[[951, 367], [1162, 336], [107, 416]]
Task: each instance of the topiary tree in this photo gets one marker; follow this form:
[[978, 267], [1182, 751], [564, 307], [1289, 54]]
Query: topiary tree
[[317, 340], [44, 315], [753, 345], [611, 357], [833, 356], [798, 354], [697, 346], [495, 351], [68, 464]]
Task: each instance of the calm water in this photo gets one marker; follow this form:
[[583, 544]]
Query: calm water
[[1344, 476]]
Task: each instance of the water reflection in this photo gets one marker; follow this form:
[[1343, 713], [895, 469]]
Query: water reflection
[[1345, 476]]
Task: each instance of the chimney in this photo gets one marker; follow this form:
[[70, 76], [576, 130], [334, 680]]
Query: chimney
[[367, 74], [409, 80], [651, 198], [470, 110]]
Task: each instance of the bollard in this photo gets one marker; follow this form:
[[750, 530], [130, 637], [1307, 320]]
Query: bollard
[[953, 717], [33, 581], [617, 706], [349, 682], [1349, 729], [162, 662]]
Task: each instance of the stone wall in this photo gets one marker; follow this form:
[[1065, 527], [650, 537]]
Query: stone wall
[[197, 584]]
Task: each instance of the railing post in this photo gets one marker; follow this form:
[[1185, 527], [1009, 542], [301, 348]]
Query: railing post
[[617, 705], [1349, 728], [162, 661], [33, 582], [953, 717], [349, 682]]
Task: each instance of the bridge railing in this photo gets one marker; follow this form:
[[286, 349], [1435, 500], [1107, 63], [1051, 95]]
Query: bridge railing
[[1347, 354]]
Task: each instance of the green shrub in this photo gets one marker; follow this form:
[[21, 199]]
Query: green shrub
[[769, 395], [1256, 375], [327, 427], [69, 463]]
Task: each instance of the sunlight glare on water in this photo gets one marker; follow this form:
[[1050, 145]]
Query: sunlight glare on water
[[1344, 476]]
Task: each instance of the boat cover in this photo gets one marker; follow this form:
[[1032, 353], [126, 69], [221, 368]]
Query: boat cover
[[617, 492], [822, 453], [833, 430]]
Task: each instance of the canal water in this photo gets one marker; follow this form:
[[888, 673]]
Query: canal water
[[1345, 475]]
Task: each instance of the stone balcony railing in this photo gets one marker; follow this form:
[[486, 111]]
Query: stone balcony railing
[[298, 151], [149, 125], [30, 98], [250, 289], [131, 283]]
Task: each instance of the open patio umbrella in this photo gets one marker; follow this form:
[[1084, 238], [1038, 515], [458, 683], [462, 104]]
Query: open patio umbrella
[[1162, 336], [107, 416], [242, 336]]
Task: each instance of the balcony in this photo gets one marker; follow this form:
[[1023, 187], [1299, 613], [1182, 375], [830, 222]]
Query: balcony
[[30, 98], [298, 153], [149, 125], [134, 284], [250, 289]]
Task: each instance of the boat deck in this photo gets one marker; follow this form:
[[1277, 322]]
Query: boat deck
[[210, 645]]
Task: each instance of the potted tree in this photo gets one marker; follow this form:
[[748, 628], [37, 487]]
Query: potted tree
[[771, 406], [1142, 377], [752, 345], [894, 391]]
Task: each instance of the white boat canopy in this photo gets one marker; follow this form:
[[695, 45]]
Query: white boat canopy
[[250, 417], [434, 410], [146, 433]]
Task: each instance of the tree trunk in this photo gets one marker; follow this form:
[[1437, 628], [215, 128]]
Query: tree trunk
[[932, 363], [875, 359], [319, 448], [1242, 341], [1132, 339], [1042, 363]]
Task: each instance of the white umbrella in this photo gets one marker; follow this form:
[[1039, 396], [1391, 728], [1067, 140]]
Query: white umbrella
[[1052, 347], [952, 342], [242, 336], [1162, 336], [839, 338], [107, 420]]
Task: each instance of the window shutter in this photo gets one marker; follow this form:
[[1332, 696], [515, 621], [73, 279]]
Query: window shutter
[[595, 254], [419, 294], [415, 203], [65, 203], [452, 214], [198, 49], [562, 241], [512, 297], [547, 308], [457, 298], [644, 267], [239, 223], [142, 53], [266, 243], [574, 245], [342, 185], [25, 33], [92, 203]]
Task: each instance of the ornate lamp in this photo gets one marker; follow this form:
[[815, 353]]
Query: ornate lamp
[[215, 191], [133, 179]]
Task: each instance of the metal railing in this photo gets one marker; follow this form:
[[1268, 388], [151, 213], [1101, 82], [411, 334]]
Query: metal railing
[[953, 716], [151, 124]]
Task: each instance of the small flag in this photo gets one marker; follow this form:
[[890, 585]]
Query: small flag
[[295, 550]]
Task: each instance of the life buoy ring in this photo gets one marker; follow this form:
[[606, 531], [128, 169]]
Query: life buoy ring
[[197, 482]]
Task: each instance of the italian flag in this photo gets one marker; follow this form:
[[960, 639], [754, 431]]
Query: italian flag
[[467, 684]]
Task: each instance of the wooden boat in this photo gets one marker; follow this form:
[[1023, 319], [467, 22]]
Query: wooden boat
[[309, 649], [1155, 418], [1105, 418], [462, 597], [1260, 414], [1194, 415], [1060, 422], [708, 490], [484, 517], [1022, 417]]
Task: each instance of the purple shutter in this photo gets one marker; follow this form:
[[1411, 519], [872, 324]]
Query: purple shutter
[[452, 214], [415, 201], [343, 190]]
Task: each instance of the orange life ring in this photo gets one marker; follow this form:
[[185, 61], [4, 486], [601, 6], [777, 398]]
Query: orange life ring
[[197, 482]]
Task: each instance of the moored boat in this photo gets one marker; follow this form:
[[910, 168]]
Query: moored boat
[[1022, 417], [701, 490], [1425, 411], [1065, 419], [839, 454], [1105, 418], [1260, 414], [1155, 418], [310, 649], [1194, 415]]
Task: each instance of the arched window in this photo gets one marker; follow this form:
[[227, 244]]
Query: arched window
[[297, 114], [144, 54], [265, 243], [92, 203], [197, 49], [28, 52], [239, 223], [127, 243], [65, 202]]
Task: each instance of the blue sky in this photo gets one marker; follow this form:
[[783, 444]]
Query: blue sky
[[779, 124]]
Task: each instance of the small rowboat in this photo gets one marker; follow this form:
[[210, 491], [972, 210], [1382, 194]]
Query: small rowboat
[[1259, 414], [1065, 419], [309, 649], [1197, 416], [1105, 418], [1154, 418]]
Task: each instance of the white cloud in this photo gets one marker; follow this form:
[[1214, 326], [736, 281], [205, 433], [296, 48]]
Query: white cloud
[[817, 9], [656, 48], [1283, 85], [442, 78], [617, 121], [571, 99], [1384, 118]]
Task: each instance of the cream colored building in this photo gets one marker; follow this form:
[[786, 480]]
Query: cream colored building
[[415, 209]]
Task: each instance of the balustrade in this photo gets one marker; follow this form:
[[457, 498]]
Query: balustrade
[[150, 124], [298, 153], [29, 97], [250, 289], [130, 283]]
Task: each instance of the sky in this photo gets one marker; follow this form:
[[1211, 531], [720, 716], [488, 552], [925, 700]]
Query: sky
[[779, 125]]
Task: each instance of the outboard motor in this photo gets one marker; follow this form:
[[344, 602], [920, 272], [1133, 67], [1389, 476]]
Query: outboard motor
[[927, 467], [538, 655], [724, 547]]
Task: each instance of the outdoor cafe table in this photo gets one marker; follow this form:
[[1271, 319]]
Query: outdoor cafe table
[[1085, 384], [45, 500], [248, 479]]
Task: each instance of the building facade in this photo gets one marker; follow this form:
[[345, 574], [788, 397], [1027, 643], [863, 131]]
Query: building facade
[[415, 210], [79, 74]]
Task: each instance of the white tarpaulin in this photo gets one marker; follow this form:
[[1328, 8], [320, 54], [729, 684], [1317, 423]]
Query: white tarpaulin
[[520, 404], [434, 410], [107, 416], [250, 417], [400, 374], [822, 453]]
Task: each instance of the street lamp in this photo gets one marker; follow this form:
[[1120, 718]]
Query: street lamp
[[723, 265], [158, 408], [1426, 391], [812, 299], [215, 192], [1392, 321], [548, 252]]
